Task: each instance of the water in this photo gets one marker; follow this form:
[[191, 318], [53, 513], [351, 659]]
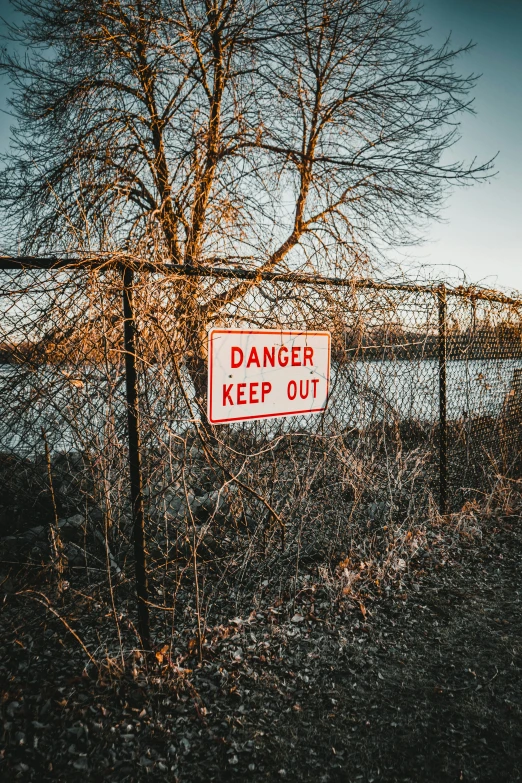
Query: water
[[77, 416], [410, 389]]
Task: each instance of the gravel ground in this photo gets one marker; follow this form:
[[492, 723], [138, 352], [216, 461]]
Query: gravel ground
[[423, 685]]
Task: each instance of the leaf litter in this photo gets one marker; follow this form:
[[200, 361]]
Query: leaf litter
[[421, 682]]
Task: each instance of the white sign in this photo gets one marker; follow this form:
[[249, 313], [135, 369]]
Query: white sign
[[261, 373]]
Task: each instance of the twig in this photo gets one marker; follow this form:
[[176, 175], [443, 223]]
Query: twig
[[55, 530], [42, 599]]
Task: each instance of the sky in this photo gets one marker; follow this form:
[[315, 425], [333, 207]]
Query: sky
[[480, 238], [482, 232]]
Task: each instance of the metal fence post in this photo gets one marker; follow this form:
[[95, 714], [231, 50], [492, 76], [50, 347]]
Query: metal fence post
[[443, 424], [136, 478]]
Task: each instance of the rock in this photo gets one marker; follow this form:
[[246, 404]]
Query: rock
[[95, 514], [211, 501], [12, 708], [35, 540], [10, 546], [75, 555], [175, 504], [38, 533], [75, 521], [72, 529], [69, 459]]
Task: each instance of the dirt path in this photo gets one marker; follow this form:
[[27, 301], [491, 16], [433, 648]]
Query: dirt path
[[427, 688], [433, 694]]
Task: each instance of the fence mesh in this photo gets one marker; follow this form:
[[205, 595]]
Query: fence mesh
[[246, 502]]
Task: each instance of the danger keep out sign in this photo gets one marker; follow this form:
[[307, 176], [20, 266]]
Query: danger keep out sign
[[261, 373]]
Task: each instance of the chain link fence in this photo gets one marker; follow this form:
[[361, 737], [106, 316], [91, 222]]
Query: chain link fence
[[424, 416]]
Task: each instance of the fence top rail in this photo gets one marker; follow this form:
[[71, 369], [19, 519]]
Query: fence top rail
[[51, 263]]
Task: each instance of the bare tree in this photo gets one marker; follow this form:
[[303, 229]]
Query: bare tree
[[292, 135], [290, 132]]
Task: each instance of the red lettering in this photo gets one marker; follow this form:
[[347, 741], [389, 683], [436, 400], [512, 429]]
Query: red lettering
[[240, 394], [292, 385], [253, 358], [233, 362], [315, 381], [269, 356], [308, 353], [266, 388], [226, 394], [295, 356], [279, 357], [305, 395], [252, 390]]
